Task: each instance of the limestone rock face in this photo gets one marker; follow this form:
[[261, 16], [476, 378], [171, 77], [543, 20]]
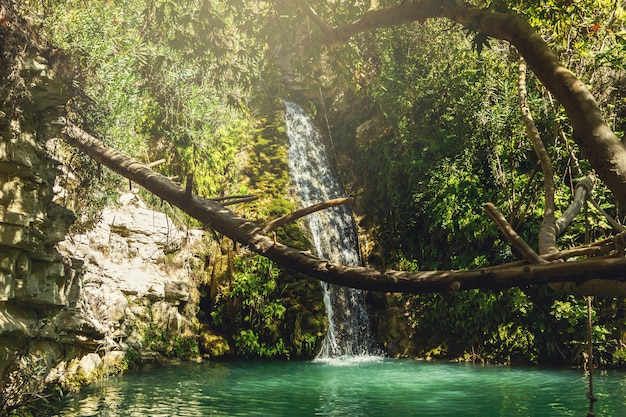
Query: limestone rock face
[[70, 306], [132, 281], [36, 283]]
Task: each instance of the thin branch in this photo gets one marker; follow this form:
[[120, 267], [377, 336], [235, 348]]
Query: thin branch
[[518, 243], [234, 199], [189, 186], [156, 163], [321, 25], [600, 248], [547, 233], [231, 197], [523, 196], [608, 218], [240, 200], [291, 217]]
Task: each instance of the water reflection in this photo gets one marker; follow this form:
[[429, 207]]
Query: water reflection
[[361, 388]]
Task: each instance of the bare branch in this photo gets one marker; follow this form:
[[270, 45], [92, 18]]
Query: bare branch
[[156, 163], [234, 199], [291, 217], [321, 25], [547, 233], [600, 248], [581, 193], [608, 218]]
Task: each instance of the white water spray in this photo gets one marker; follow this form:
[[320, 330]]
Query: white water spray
[[332, 234]]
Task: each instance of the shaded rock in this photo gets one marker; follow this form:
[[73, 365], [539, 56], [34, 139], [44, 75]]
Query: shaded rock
[[114, 359], [166, 317], [176, 291]]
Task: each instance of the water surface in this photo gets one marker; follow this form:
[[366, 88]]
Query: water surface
[[358, 387]]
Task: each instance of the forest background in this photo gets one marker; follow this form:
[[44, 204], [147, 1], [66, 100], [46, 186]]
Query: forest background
[[424, 125]]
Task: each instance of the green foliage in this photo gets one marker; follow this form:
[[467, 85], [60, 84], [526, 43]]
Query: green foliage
[[479, 325], [151, 87], [249, 303], [448, 139], [170, 346], [441, 157], [582, 27], [248, 344], [270, 313], [514, 326], [266, 311], [178, 80], [571, 312]]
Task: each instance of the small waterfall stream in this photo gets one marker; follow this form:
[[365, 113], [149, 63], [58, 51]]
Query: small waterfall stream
[[332, 234]]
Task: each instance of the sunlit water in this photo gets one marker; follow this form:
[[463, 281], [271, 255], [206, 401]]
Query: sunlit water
[[351, 387]]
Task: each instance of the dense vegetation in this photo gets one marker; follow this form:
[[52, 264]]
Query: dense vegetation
[[425, 122], [446, 110]]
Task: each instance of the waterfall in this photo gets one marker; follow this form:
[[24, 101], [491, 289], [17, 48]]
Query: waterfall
[[332, 234]]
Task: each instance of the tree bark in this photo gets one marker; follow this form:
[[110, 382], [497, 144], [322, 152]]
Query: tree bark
[[581, 193], [247, 233], [603, 149]]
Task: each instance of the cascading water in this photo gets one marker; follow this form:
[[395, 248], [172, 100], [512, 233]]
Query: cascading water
[[332, 234]]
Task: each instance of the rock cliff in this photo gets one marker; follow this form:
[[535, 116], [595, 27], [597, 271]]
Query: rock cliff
[[71, 308], [37, 286], [135, 285]]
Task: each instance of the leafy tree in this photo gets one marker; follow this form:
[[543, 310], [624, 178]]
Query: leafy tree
[[154, 88]]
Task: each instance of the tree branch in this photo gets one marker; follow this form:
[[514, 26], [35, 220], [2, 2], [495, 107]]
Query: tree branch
[[234, 199], [321, 25], [600, 248], [291, 217], [581, 193], [518, 243], [547, 232]]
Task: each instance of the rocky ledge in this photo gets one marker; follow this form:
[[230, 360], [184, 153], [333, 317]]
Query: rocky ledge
[[135, 276]]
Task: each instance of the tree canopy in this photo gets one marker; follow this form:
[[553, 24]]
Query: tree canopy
[[219, 68]]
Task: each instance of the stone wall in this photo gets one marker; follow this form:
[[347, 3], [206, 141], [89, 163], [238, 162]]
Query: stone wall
[[137, 288]]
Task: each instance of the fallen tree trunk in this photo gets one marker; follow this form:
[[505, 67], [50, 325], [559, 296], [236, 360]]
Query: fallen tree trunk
[[224, 221]]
